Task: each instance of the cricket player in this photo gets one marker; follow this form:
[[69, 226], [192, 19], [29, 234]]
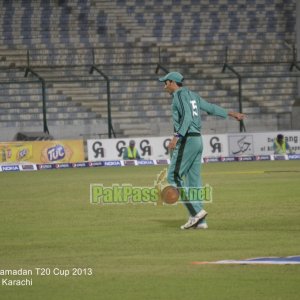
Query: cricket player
[[186, 144]]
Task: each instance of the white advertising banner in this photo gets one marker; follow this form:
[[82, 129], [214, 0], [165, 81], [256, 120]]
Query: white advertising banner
[[260, 143], [112, 149], [217, 145], [150, 148]]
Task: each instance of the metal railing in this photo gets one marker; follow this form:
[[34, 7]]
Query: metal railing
[[239, 77], [109, 118], [43, 83]]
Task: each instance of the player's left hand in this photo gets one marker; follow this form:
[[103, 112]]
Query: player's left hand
[[238, 116]]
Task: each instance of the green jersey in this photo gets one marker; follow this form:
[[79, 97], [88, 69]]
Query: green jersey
[[186, 109]]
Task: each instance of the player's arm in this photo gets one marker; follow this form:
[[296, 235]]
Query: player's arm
[[184, 114], [213, 109], [216, 110], [180, 121]]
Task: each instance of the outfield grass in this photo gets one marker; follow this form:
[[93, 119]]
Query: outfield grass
[[138, 251]]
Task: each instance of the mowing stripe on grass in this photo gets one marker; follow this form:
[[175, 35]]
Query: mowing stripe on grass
[[252, 172], [235, 172]]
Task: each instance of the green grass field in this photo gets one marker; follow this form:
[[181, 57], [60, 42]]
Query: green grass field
[[138, 251]]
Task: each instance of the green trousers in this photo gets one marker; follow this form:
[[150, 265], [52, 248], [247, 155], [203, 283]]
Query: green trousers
[[185, 167]]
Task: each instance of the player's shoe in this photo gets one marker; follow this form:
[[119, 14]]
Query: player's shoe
[[192, 221], [202, 225]]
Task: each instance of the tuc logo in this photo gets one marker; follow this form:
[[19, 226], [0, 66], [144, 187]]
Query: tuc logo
[[57, 153]]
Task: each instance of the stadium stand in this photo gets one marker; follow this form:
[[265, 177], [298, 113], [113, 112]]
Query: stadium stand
[[126, 39]]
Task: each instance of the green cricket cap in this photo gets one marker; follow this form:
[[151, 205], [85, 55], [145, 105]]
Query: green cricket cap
[[174, 76]]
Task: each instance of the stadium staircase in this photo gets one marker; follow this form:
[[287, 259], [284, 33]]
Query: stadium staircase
[[191, 37]]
